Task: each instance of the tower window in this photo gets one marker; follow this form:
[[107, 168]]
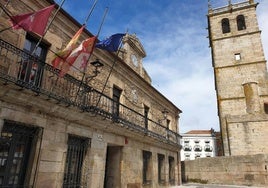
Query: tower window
[[225, 25], [241, 25], [237, 56]]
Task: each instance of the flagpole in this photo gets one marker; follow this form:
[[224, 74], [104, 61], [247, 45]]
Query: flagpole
[[103, 18], [8, 14], [90, 12], [85, 23], [110, 72], [5, 7], [50, 23], [85, 68]]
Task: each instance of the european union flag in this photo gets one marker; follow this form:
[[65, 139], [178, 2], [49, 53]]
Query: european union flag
[[112, 43]]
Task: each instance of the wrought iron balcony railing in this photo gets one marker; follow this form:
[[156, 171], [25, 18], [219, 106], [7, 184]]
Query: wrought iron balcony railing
[[26, 71]]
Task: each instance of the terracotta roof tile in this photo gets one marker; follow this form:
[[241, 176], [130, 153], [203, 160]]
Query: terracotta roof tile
[[199, 132]]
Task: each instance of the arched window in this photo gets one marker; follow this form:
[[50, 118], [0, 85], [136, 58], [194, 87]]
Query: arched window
[[225, 25], [240, 20]]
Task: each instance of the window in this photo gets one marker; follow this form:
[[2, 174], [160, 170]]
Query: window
[[197, 155], [187, 148], [116, 101], [161, 168], [225, 25], [186, 141], [15, 146], [146, 113], [31, 67], [187, 157], [168, 123], [147, 167], [171, 170], [240, 20], [77, 148], [168, 128], [197, 148], [266, 108], [208, 148], [237, 56]]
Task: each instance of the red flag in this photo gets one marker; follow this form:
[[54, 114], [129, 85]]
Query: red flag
[[34, 21], [62, 55], [79, 56]]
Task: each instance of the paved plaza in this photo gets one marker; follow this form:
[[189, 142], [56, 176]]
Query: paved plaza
[[194, 185]]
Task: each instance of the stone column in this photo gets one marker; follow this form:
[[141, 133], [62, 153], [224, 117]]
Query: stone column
[[252, 97], [96, 173]]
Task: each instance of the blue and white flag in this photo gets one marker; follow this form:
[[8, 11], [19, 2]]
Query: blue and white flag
[[112, 43]]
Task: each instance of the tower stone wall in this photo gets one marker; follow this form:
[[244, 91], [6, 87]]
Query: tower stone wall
[[240, 77]]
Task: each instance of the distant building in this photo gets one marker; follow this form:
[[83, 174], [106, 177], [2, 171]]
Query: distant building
[[198, 143]]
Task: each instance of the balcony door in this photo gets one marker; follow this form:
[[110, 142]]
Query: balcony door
[[116, 101], [31, 66]]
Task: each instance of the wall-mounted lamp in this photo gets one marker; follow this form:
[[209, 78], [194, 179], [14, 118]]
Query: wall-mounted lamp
[[97, 64]]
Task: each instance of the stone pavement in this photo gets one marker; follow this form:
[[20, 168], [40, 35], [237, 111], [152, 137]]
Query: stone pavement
[[195, 185]]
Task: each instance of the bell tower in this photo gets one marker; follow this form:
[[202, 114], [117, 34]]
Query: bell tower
[[240, 76]]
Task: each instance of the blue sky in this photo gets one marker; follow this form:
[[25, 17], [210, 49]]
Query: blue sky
[[174, 36]]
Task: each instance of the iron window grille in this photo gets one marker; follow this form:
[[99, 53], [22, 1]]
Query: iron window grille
[[171, 170], [16, 143], [161, 168], [77, 149], [147, 167]]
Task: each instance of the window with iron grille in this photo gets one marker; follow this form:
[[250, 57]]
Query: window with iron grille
[[77, 149], [161, 168], [15, 145], [171, 170], [147, 167]]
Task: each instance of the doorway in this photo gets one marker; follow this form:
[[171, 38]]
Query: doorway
[[112, 168]]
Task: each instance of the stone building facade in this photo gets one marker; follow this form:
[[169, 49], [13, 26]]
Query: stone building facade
[[240, 78], [112, 130]]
